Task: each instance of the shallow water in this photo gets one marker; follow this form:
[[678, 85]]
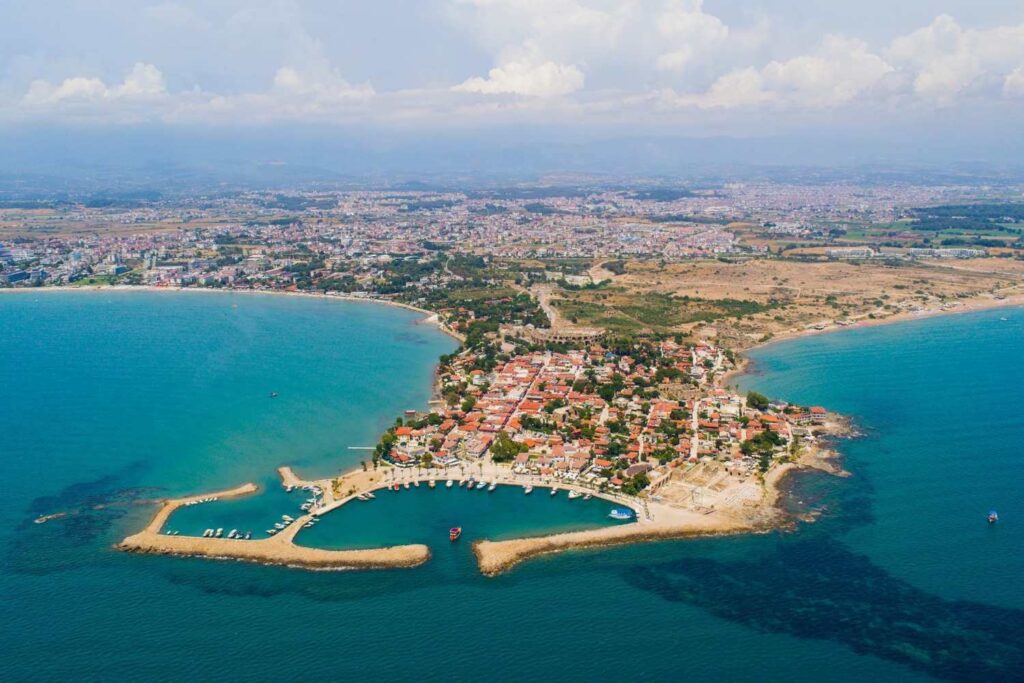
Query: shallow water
[[112, 399]]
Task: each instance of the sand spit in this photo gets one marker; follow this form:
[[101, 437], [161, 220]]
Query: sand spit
[[278, 550]]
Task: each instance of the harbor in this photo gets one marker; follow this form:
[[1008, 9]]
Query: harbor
[[278, 549]]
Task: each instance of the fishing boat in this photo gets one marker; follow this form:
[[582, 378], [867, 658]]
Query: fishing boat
[[527, 489], [993, 517], [573, 495], [454, 533], [493, 486], [480, 485], [621, 514]]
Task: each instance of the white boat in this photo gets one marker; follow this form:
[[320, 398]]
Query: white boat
[[554, 491], [481, 485], [448, 485], [232, 533], [208, 533], [416, 483], [218, 533], [248, 535], [287, 518], [431, 483], [493, 486], [271, 531], [308, 524], [369, 494], [527, 489], [462, 482], [587, 497], [573, 495], [279, 526], [406, 484]]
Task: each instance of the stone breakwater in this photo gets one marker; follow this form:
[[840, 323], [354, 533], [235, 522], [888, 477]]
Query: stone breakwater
[[495, 557], [278, 550]]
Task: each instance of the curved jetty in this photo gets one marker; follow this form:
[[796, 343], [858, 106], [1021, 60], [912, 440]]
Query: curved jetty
[[280, 549]]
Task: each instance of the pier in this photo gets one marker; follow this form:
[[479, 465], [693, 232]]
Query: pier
[[279, 549]]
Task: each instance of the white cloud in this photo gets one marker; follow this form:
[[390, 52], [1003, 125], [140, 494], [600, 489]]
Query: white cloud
[[142, 82], [1013, 84], [526, 72], [690, 31], [948, 60], [838, 72]]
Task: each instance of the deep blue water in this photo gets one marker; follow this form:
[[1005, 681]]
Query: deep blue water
[[109, 399]]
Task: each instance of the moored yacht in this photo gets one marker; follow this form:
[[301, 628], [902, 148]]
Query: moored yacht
[[573, 495], [527, 489]]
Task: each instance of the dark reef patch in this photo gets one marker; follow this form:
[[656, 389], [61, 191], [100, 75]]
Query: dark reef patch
[[819, 589]]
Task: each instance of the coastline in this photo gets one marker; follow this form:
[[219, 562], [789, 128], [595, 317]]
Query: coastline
[[967, 306], [494, 557], [429, 317]]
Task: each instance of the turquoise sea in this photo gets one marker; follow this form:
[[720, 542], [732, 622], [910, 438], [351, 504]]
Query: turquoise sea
[[111, 398]]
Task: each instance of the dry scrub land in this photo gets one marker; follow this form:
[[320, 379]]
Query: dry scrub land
[[748, 302]]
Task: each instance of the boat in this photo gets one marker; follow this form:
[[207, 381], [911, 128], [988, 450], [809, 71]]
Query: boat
[[369, 495], [573, 495], [493, 486], [308, 524], [208, 533], [248, 535], [416, 483], [232, 533], [993, 517], [527, 489], [1004, 318], [480, 485], [273, 394], [588, 496], [449, 484], [279, 526], [431, 483], [218, 533], [454, 533], [462, 482], [362, 496], [621, 513], [554, 491], [406, 484], [271, 532], [287, 518], [395, 487]]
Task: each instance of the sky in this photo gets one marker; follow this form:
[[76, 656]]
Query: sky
[[927, 70]]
